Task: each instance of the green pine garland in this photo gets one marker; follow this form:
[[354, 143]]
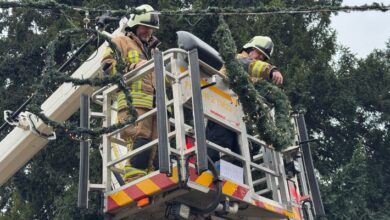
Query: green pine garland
[[51, 75], [279, 133]]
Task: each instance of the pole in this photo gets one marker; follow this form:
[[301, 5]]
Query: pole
[[82, 201]]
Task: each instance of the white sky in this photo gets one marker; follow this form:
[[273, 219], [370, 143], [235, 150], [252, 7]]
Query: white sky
[[362, 32]]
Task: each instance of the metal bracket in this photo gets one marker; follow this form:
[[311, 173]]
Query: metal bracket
[[197, 108], [162, 117]]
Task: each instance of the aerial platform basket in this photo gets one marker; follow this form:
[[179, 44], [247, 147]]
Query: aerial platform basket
[[185, 183]]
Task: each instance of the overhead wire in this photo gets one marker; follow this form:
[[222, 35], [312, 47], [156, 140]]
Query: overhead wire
[[261, 10]]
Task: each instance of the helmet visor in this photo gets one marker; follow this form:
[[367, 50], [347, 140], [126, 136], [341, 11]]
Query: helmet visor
[[152, 21], [266, 48]]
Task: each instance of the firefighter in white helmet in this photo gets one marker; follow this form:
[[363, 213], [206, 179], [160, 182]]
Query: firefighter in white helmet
[[136, 47], [254, 57]]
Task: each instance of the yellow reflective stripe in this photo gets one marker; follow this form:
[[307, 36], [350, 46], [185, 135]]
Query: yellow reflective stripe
[[121, 98], [261, 68], [139, 102], [130, 56], [254, 68], [258, 68], [136, 57], [133, 56], [133, 88], [122, 103], [137, 85], [142, 103], [121, 95], [141, 95], [113, 71], [143, 106]]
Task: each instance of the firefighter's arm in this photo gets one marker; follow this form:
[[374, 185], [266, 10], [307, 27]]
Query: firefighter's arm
[[108, 62], [258, 69], [132, 57], [135, 59]]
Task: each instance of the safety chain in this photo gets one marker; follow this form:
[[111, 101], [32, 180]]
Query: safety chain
[[257, 112]]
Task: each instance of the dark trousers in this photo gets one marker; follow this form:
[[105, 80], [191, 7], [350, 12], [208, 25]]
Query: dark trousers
[[142, 160], [223, 137]]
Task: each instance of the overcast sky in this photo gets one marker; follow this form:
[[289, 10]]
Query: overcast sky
[[362, 32]]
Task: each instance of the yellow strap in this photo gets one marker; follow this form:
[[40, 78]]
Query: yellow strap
[[130, 172]]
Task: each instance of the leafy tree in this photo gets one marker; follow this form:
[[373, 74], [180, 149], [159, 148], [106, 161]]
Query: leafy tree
[[357, 188], [346, 103]]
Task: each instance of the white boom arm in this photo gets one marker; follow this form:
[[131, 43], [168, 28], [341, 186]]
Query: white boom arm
[[19, 146]]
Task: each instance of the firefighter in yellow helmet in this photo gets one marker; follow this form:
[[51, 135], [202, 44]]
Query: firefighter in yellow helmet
[[136, 47], [255, 56]]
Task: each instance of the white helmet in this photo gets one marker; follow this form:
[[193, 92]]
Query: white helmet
[[263, 44], [149, 18]]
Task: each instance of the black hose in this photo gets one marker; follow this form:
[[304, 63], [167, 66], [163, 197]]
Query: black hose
[[187, 166], [211, 207], [306, 209], [175, 157]]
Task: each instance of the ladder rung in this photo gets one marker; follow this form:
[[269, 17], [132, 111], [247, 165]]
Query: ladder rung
[[264, 169], [259, 181], [140, 118], [257, 157], [99, 97], [118, 141], [263, 191], [97, 114]]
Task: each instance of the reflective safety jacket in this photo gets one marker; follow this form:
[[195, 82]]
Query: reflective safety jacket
[[133, 51], [256, 69]]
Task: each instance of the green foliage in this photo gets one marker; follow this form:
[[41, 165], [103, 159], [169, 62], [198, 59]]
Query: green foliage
[[347, 103], [17, 208], [357, 140], [351, 182]]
